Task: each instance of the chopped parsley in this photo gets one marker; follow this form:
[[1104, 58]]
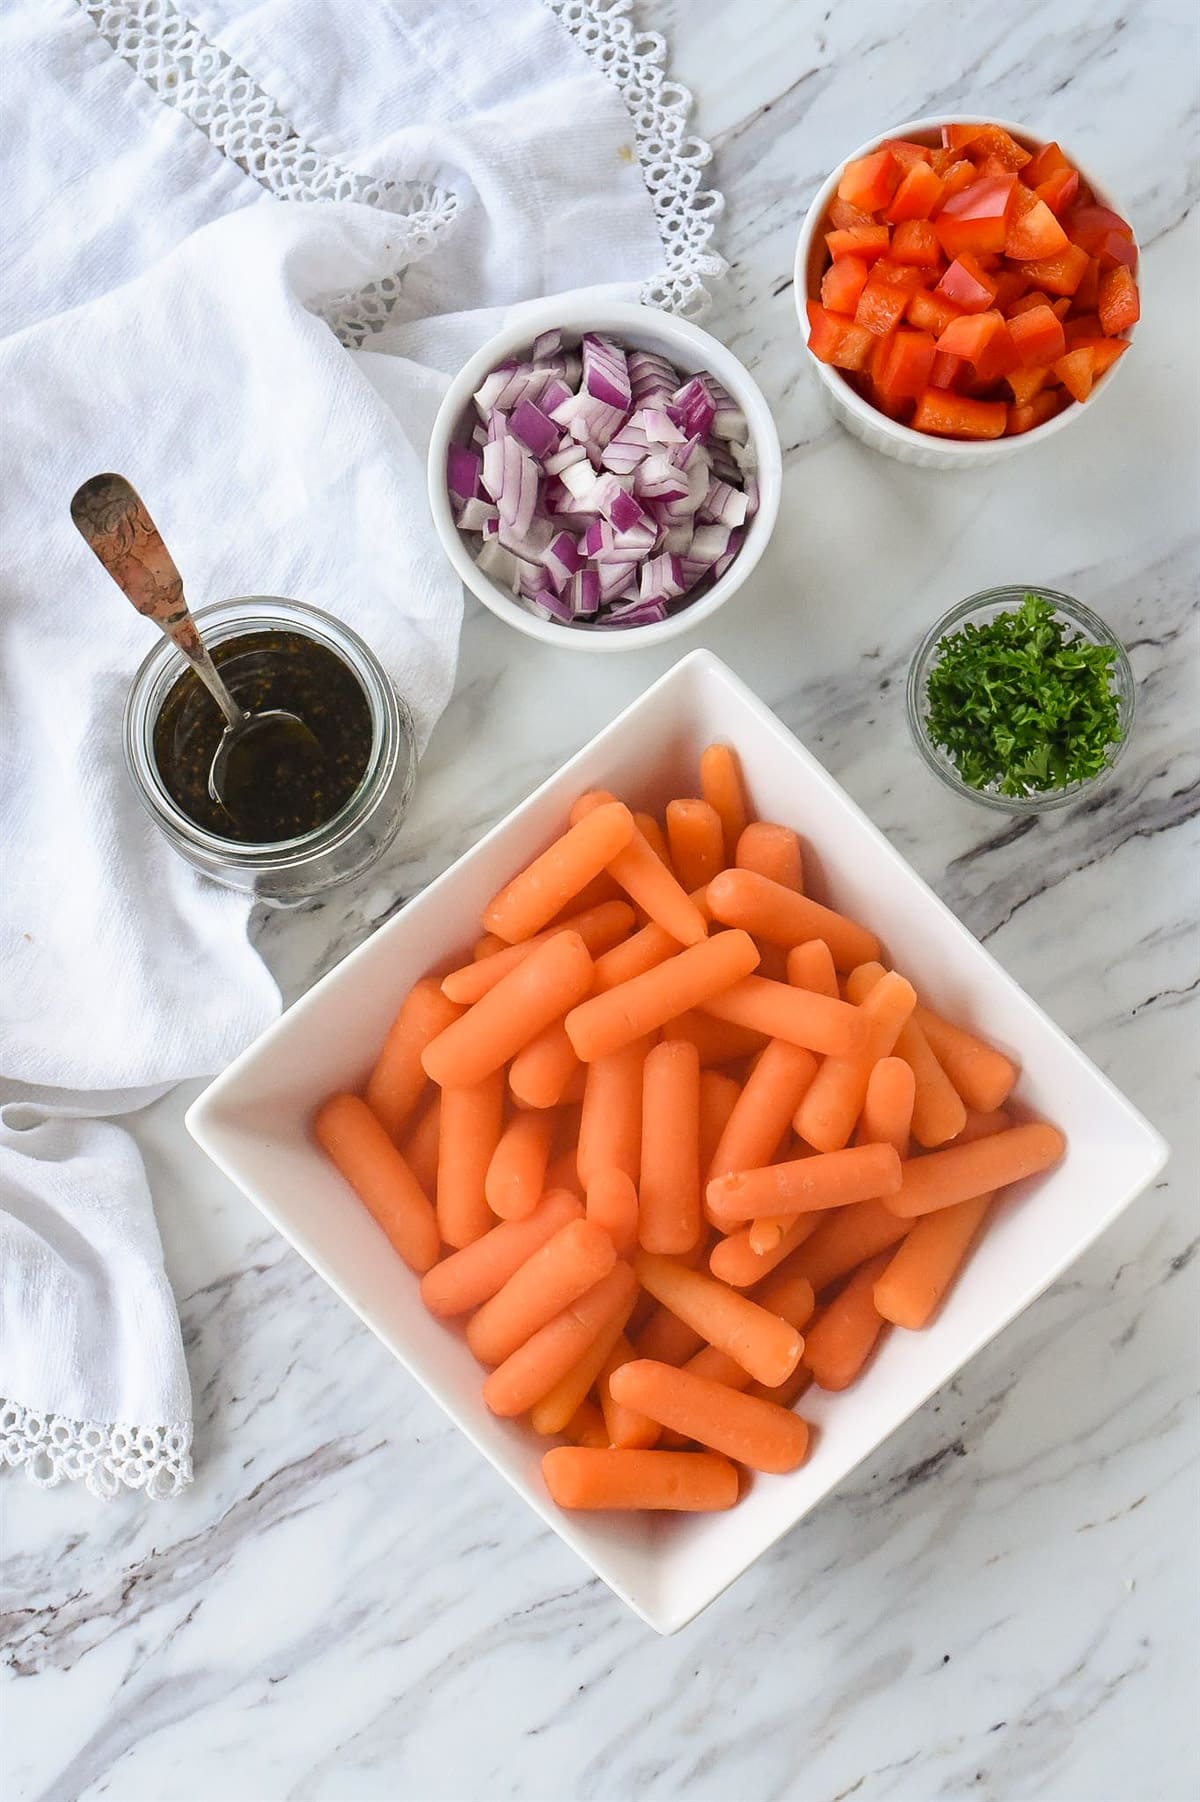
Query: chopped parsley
[[1023, 705]]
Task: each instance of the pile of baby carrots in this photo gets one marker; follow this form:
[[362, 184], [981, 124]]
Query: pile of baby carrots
[[675, 1144]]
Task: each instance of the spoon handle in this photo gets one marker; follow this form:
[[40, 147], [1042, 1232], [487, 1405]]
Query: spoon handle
[[112, 518]]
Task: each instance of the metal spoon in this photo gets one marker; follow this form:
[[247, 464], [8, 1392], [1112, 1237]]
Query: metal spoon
[[113, 520]]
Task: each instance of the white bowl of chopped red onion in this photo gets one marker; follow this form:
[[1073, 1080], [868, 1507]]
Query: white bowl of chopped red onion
[[603, 476]]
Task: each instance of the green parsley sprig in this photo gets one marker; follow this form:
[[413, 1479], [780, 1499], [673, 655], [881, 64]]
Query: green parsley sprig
[[1021, 704]]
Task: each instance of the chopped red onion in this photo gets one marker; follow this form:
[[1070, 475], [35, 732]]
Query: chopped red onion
[[546, 345], [563, 459], [606, 372], [583, 592], [724, 504], [694, 400], [475, 514], [536, 432], [464, 467], [651, 377]]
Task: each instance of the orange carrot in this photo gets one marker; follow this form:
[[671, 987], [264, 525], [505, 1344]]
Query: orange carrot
[[586, 1427], [607, 1022], [846, 1238], [789, 1296], [911, 1288], [558, 1405], [652, 832], [759, 1341], [542, 1070], [534, 1368], [843, 1335], [641, 951], [696, 843], [722, 787], [982, 1075], [938, 1112], [531, 900], [516, 1175], [667, 1338], [759, 1434], [770, 911], [469, 1129], [650, 884], [688, 1482], [612, 1202], [483, 947], [773, 1092], [600, 928], [772, 851], [827, 1116], [473, 1275], [782, 1012], [982, 1126], [420, 1143], [351, 1135], [610, 1127], [563, 1173], [942, 1178], [734, 1259], [888, 1107], [669, 1185], [551, 979], [810, 966], [716, 1041], [398, 1080], [767, 1232], [558, 1273], [718, 1098], [786, 1395], [829, 1180], [627, 1428]]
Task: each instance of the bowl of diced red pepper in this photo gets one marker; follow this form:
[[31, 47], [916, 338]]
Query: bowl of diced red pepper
[[964, 288]]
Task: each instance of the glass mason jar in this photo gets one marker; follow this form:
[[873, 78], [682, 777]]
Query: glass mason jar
[[290, 870]]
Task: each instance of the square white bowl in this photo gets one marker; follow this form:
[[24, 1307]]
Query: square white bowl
[[253, 1122]]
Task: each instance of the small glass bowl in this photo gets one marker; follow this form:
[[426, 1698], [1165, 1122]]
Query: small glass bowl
[[291, 870], [977, 610]]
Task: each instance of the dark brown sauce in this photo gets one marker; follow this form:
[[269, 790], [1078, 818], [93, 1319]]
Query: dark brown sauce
[[282, 783]]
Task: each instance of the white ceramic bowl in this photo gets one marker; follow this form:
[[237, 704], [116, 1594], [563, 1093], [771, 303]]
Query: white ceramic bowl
[[639, 328], [253, 1121], [858, 415]]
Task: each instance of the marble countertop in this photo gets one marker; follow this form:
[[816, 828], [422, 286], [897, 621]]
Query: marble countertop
[[1001, 1603]]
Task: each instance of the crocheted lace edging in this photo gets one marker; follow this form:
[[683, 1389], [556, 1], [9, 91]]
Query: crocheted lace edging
[[52, 1449]]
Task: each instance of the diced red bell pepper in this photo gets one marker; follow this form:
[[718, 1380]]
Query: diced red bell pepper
[[843, 282], [956, 174], [1059, 191], [898, 275], [1011, 284], [958, 416], [1087, 295], [1042, 407], [1082, 328], [971, 336], [870, 181], [977, 217], [835, 340], [1025, 383], [1060, 308], [1037, 336], [1102, 233], [1106, 353], [909, 365], [1048, 162], [967, 285], [986, 140], [918, 196], [1077, 371], [843, 216], [1059, 274], [1033, 231], [877, 360], [881, 306], [946, 370], [907, 153], [1119, 306], [930, 312], [869, 241], [896, 407], [915, 241]]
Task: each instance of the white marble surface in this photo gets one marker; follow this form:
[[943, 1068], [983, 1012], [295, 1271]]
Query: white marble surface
[[1003, 1603]]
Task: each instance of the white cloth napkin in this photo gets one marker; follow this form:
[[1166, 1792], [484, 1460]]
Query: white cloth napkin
[[166, 292]]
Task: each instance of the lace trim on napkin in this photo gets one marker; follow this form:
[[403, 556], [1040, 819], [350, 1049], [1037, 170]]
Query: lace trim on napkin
[[186, 70], [53, 1449]]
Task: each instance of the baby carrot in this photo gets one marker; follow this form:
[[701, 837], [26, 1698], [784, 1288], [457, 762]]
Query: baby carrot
[[716, 1041], [540, 1072], [666, 1337], [827, 1116], [533, 1369], [612, 1202], [982, 1075], [483, 947], [558, 1273], [586, 1427], [563, 1173], [610, 1127], [468, 1277], [600, 928], [888, 1106], [785, 1394], [669, 1185], [810, 966], [843, 1335], [420, 1143], [938, 1112], [607, 1022], [722, 787], [757, 1433], [690, 1482], [789, 1296], [651, 885], [516, 1175], [772, 851], [539, 990], [641, 951], [846, 1238], [982, 1126], [829, 1180], [469, 1128], [627, 1428], [552, 1412], [350, 1134], [734, 1259], [782, 1012], [770, 911], [696, 842], [531, 900], [768, 1231], [759, 1341], [772, 1093], [396, 1083], [911, 1287], [941, 1178]]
